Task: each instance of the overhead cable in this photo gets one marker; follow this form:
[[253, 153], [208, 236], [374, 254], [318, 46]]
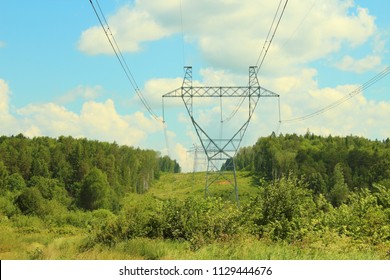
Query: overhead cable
[[345, 98], [268, 40], [118, 53], [272, 30]]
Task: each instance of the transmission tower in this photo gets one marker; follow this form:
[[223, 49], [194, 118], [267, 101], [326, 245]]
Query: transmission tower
[[199, 158], [199, 163], [220, 151]]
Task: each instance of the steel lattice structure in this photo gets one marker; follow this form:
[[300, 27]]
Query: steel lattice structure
[[219, 150]]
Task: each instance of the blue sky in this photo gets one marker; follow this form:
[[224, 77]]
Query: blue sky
[[59, 76]]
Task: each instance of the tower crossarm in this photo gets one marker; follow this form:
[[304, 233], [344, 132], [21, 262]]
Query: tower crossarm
[[232, 91]]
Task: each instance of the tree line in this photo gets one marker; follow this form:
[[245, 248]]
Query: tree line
[[78, 173], [332, 166]]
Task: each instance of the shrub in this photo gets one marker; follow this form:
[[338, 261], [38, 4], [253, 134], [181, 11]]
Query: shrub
[[197, 220], [95, 191], [31, 202], [287, 209]]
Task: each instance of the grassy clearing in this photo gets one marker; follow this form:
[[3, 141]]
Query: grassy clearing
[[183, 185]]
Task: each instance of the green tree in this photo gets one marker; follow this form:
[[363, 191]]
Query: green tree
[[339, 192], [16, 182], [3, 176], [95, 191], [31, 202]]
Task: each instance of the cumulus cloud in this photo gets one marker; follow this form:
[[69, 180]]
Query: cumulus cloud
[[7, 121], [348, 63], [358, 115], [80, 92], [96, 120], [230, 34], [4, 97], [130, 26]]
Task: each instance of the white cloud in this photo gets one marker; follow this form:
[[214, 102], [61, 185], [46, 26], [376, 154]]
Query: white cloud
[[155, 88], [230, 34], [83, 92], [181, 154], [7, 121], [97, 120], [49, 119], [358, 115], [348, 63], [130, 26], [4, 97]]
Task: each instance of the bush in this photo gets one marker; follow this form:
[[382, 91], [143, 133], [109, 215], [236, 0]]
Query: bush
[[195, 220], [31, 202], [7, 208], [361, 218], [287, 209]]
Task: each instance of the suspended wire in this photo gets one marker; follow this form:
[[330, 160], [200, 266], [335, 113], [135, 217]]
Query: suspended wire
[[235, 110], [340, 101], [269, 32], [302, 21], [118, 53], [260, 60], [267, 42]]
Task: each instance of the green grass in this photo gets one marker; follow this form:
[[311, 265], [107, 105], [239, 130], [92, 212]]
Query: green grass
[[46, 244], [183, 185]]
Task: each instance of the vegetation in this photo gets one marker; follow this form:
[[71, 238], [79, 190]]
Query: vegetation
[[301, 197]]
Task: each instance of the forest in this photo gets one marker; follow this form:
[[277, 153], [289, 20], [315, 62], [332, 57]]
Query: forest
[[75, 173], [331, 166], [301, 197]]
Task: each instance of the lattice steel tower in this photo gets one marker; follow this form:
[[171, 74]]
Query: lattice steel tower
[[220, 152]]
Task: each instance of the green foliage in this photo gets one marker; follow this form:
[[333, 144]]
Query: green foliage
[[287, 209], [64, 170], [339, 191], [361, 218], [16, 182], [3, 176], [168, 165], [7, 207], [130, 223], [31, 202], [95, 191], [363, 162], [197, 221]]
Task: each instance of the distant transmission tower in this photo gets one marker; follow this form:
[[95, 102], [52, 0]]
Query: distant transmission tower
[[199, 157], [219, 151], [199, 163]]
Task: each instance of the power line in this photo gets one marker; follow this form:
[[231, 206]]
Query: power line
[[118, 53], [340, 101], [263, 53], [267, 42]]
